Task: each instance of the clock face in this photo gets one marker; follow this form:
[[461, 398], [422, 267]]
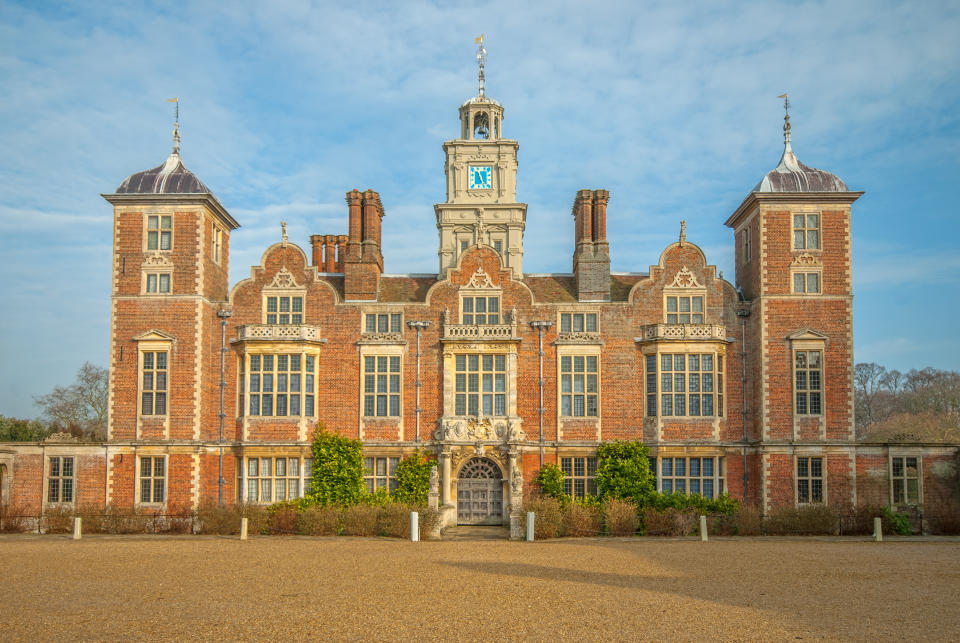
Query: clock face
[[480, 177]]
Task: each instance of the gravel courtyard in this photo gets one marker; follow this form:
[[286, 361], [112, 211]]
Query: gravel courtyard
[[219, 588]]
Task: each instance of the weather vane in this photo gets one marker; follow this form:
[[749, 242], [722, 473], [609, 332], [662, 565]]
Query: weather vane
[[786, 118], [176, 125], [481, 59]]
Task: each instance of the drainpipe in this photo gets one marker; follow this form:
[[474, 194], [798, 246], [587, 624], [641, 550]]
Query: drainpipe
[[223, 314], [743, 314], [541, 326], [418, 326]]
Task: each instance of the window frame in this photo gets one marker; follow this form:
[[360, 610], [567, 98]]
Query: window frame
[[159, 230], [805, 231], [692, 296], [569, 412], [747, 243], [807, 392], [280, 295], [154, 370], [372, 480], [157, 276], [907, 501], [718, 477], [567, 321], [487, 297], [810, 478], [588, 477], [152, 478], [307, 384], [49, 478], [302, 477], [216, 248], [497, 398], [393, 322], [388, 395], [654, 399], [806, 273]]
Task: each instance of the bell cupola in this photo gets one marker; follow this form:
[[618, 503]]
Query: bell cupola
[[481, 177]]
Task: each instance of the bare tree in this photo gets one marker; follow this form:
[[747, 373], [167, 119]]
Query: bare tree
[[81, 404], [868, 381]]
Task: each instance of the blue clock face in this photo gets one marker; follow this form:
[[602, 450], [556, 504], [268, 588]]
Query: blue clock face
[[480, 177]]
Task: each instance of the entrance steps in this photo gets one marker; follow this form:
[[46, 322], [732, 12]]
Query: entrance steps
[[476, 532]]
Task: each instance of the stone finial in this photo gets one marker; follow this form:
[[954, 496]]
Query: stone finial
[[283, 233], [683, 233]]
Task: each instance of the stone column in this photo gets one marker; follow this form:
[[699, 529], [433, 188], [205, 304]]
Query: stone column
[[445, 482]]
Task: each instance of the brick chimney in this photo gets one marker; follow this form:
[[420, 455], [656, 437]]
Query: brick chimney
[[591, 257], [362, 262]]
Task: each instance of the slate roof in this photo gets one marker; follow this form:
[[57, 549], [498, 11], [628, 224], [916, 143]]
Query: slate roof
[[793, 176], [172, 177], [405, 289]]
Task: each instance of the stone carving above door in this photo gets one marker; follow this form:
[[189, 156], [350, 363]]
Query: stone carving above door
[[479, 430]]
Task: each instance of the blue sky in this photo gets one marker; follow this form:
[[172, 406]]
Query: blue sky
[[287, 105]]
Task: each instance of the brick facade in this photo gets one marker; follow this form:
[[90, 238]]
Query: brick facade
[[699, 368]]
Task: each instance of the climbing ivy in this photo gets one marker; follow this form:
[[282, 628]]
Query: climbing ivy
[[337, 469], [413, 478], [623, 471]]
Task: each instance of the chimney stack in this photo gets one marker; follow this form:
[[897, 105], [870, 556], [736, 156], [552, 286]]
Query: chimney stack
[[591, 257], [362, 263]]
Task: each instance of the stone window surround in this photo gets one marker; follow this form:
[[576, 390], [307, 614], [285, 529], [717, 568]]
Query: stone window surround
[[586, 477], [807, 211], [818, 270], [216, 249], [746, 241], [579, 351], [719, 468], [719, 384], [452, 349], [136, 476], [465, 293], [382, 310], [380, 350], [158, 212], [153, 342], [823, 477], [242, 465], [156, 271], [284, 292], [63, 452], [905, 453], [577, 311]]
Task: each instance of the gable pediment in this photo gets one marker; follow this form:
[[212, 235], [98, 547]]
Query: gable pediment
[[807, 334], [154, 336]]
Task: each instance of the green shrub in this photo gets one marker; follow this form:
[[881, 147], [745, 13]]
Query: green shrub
[[282, 518], [318, 520], [550, 480], [413, 479], [623, 471], [213, 518], [722, 504], [360, 520], [548, 519], [581, 519], [337, 469], [896, 523], [378, 498], [620, 517]]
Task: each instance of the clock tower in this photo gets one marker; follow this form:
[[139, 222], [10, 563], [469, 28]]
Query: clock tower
[[481, 172]]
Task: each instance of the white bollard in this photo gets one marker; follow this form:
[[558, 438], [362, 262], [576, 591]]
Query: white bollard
[[877, 530], [531, 517], [243, 529], [414, 526], [703, 528], [77, 529]]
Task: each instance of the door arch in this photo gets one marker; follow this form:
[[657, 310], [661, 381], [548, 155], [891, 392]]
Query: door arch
[[480, 493]]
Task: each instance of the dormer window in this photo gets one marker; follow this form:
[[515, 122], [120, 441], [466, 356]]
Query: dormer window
[[383, 323], [578, 322], [284, 310], [480, 310], [683, 309]]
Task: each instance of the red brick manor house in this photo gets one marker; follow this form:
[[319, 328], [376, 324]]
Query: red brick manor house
[[215, 390]]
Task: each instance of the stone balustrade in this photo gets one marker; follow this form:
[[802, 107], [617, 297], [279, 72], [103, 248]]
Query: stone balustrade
[[278, 332], [712, 332]]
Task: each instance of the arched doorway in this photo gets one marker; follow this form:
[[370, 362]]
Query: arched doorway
[[480, 493]]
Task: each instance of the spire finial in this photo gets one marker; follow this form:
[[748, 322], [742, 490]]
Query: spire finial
[[481, 59], [786, 119], [176, 125], [683, 232]]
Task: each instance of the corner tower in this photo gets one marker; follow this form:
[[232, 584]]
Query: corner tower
[[481, 173]]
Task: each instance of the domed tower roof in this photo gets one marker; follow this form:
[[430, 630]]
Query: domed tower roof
[[791, 175], [171, 177]]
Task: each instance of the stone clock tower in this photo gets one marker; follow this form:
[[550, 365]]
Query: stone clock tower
[[481, 172]]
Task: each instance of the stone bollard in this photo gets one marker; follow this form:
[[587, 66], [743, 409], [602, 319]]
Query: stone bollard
[[703, 528], [77, 528], [877, 530], [414, 526], [243, 529], [531, 517]]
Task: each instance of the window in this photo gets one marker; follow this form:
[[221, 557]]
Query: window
[[690, 385], [463, 246], [692, 475], [809, 480], [578, 322], [806, 232], [578, 476], [152, 478], [383, 323], [498, 246], [159, 232], [282, 385], [906, 480], [60, 479], [273, 479], [578, 385], [284, 310], [481, 310], [806, 282], [808, 377], [158, 282], [481, 383], [684, 310], [747, 244], [217, 244], [153, 393], [378, 473], [381, 385]]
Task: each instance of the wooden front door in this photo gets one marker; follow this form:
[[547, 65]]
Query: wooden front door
[[480, 493]]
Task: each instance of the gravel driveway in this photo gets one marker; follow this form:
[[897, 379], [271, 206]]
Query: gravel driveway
[[296, 588]]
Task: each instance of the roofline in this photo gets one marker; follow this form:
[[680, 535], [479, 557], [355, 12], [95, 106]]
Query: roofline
[[791, 197], [198, 198]]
